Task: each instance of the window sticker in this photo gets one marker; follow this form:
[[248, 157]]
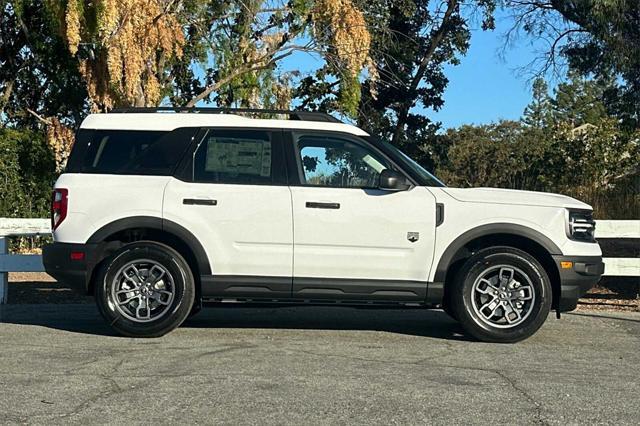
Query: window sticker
[[239, 156]]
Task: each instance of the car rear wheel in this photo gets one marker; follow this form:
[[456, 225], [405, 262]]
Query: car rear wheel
[[501, 294], [145, 289]]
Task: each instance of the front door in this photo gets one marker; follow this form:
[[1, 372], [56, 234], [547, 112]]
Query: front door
[[236, 201], [353, 241]]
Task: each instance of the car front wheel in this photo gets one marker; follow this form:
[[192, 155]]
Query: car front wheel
[[145, 289], [501, 294]]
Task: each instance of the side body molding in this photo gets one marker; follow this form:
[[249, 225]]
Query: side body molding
[[161, 225], [490, 229]]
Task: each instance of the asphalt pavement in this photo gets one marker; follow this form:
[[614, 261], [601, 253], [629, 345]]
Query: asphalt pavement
[[61, 364]]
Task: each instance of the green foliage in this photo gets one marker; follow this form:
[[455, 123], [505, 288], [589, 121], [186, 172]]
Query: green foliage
[[538, 112], [233, 50], [412, 41], [27, 171], [11, 194], [497, 155], [565, 143], [596, 38], [37, 71], [579, 101]]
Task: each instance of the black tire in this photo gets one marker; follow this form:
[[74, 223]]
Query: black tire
[[173, 313], [195, 309], [484, 263]]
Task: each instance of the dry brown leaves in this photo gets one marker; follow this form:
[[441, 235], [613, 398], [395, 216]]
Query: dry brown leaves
[[344, 25], [134, 40], [60, 140]]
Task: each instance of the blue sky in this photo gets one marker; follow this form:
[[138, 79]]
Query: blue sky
[[483, 88], [486, 87]]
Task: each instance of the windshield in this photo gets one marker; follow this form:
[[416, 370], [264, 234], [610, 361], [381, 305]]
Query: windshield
[[424, 177]]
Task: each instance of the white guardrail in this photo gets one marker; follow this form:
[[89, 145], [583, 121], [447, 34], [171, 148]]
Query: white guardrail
[[606, 229]]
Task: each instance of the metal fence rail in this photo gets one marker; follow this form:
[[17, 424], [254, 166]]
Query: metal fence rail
[[612, 234]]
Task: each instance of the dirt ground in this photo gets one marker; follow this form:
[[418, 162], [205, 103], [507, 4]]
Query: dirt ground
[[36, 288]]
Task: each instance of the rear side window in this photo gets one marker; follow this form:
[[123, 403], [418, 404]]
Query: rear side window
[[129, 151], [237, 157]]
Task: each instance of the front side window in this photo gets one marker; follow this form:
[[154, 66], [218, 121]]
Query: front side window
[[338, 163], [419, 173], [235, 157]]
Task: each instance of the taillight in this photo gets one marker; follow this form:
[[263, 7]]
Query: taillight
[[58, 207]]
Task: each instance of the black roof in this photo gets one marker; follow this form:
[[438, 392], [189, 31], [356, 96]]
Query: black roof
[[292, 115]]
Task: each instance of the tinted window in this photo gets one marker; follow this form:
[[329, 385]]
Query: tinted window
[[235, 156], [129, 152], [339, 163]]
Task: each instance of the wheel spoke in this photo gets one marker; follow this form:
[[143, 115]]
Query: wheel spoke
[[126, 290], [144, 305], [134, 278], [124, 302], [492, 306], [511, 310], [525, 293], [157, 296], [489, 289], [506, 276], [154, 279]]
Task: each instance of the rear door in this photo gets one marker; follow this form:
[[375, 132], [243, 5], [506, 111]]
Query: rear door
[[351, 239], [234, 198]]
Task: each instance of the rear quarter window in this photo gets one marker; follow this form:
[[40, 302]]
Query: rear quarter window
[[129, 151]]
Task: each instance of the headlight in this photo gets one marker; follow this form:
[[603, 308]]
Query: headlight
[[580, 225]]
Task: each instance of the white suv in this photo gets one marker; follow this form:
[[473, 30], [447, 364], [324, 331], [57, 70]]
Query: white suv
[[159, 211]]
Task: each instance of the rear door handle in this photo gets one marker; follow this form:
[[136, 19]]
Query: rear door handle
[[316, 205], [199, 202]]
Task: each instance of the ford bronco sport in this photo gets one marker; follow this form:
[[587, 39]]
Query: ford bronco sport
[[159, 211]]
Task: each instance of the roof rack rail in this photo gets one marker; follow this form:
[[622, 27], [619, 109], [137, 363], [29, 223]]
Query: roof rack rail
[[293, 115]]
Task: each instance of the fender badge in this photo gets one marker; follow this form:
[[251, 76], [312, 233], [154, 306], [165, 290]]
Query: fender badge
[[413, 236]]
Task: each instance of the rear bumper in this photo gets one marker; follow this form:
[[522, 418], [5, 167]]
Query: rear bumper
[[576, 279], [76, 274]]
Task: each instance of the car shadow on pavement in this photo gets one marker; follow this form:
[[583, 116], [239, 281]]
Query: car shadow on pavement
[[85, 319], [75, 318], [414, 322]]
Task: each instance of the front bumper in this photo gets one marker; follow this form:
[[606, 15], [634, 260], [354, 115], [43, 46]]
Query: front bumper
[[575, 280]]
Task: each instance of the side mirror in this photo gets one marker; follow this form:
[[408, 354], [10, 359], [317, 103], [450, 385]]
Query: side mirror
[[390, 180]]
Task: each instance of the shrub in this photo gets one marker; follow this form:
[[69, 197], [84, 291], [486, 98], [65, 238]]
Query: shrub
[[27, 172]]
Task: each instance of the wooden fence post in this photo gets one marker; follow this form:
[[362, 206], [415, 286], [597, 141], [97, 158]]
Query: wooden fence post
[[4, 276]]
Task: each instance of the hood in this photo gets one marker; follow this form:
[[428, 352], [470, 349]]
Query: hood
[[512, 196]]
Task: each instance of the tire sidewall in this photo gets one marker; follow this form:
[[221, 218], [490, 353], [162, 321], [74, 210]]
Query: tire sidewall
[[480, 262], [182, 280]]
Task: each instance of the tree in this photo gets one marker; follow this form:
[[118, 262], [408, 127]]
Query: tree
[[37, 73], [579, 101], [565, 143], [448, 34], [412, 40], [63, 58], [139, 52], [538, 113], [27, 170], [122, 47], [495, 155], [598, 38]]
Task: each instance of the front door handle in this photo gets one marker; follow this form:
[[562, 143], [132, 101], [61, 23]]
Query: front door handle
[[199, 202], [316, 205]]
